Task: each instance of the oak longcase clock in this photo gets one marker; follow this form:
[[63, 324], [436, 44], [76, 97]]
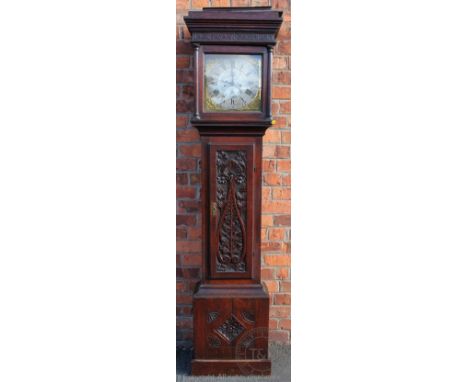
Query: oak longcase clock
[[233, 58]]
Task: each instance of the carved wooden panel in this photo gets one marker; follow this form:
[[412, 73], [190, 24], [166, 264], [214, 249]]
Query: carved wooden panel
[[231, 207], [231, 200]]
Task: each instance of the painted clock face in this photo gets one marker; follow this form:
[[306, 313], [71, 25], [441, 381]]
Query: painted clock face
[[233, 82]]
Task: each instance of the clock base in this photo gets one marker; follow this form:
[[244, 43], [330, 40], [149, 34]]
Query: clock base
[[231, 330], [231, 367]]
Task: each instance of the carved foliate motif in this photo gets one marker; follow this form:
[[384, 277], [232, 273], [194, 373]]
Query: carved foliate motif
[[230, 329], [249, 316], [231, 200], [212, 316]]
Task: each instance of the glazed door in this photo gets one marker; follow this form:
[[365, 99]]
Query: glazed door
[[231, 192]]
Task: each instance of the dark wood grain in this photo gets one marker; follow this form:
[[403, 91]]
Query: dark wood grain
[[230, 302]]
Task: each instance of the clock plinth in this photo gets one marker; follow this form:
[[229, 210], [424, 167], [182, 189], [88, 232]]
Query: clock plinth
[[233, 59]]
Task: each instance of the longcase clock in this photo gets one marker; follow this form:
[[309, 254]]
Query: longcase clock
[[233, 59]]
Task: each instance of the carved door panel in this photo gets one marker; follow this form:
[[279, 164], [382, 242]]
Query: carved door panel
[[216, 329], [253, 316], [230, 207]]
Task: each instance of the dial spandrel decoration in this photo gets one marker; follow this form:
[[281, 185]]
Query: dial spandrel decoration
[[233, 82]]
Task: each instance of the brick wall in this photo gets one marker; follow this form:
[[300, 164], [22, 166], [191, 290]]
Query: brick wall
[[276, 189]]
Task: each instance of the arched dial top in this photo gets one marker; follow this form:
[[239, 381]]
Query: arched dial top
[[233, 82]]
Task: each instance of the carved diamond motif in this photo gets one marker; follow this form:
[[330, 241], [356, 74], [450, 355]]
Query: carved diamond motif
[[230, 329]]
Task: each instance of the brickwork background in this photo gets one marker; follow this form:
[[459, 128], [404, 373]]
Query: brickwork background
[[276, 189]]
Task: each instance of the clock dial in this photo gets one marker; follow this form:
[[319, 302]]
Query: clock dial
[[233, 82]]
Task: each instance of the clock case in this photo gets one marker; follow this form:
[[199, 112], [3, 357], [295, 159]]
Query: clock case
[[231, 305]]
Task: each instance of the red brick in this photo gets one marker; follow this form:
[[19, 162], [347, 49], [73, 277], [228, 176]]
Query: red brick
[[272, 136], [184, 76], [180, 18], [280, 336], [285, 107], [194, 179], [282, 299], [183, 246], [181, 179], [281, 77], [182, 62], [184, 310], [284, 47], [284, 165], [188, 91], [194, 233], [240, 3], [220, 3], [273, 323], [285, 286], [280, 311], [281, 122], [277, 259], [280, 62], [186, 219], [182, 5], [276, 206], [183, 47], [275, 108], [186, 164], [181, 121], [276, 234], [282, 220], [281, 92], [184, 323], [200, 3], [272, 286], [183, 106], [269, 151], [190, 206], [268, 165], [185, 33], [286, 137], [184, 299], [272, 179], [181, 233], [284, 324], [186, 192], [268, 273], [190, 150], [266, 192], [282, 273], [281, 4], [260, 3], [192, 259], [282, 151], [187, 135], [281, 193], [180, 286], [191, 273], [269, 246], [286, 180], [267, 220], [285, 31]]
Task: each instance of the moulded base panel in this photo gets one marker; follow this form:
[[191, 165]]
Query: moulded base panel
[[231, 367]]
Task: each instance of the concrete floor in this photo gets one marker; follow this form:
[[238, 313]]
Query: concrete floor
[[280, 356]]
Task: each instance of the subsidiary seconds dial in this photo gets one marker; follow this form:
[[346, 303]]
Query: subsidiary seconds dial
[[233, 82]]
